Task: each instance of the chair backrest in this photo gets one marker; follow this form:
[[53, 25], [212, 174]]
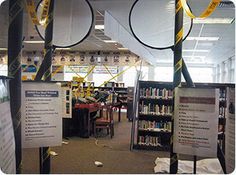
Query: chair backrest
[[108, 112]]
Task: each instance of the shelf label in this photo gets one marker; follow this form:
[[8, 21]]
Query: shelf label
[[196, 121], [41, 115]]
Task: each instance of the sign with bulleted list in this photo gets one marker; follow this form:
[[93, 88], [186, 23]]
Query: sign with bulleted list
[[41, 115], [196, 121]]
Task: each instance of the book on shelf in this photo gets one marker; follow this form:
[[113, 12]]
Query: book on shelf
[[155, 109], [154, 126], [156, 93]]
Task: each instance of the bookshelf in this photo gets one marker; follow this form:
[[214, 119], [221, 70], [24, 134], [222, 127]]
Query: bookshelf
[[152, 125], [154, 116]]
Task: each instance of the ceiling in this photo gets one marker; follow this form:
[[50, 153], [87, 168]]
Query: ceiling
[[203, 52]]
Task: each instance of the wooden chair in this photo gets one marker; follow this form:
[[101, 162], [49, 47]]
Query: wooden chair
[[105, 121]]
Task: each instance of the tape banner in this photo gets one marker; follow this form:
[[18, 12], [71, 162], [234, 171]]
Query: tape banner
[[207, 12], [33, 14]]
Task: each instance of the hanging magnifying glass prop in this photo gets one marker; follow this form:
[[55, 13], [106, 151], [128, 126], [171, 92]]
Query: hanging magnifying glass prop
[[154, 27], [72, 23]]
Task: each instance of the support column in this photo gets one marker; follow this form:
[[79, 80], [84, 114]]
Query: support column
[[44, 74], [177, 75], [14, 70]]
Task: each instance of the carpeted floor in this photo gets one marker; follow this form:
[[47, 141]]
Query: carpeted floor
[[80, 154]]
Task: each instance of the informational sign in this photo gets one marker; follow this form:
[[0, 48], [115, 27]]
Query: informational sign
[[7, 141], [196, 121], [66, 94], [230, 131], [41, 115]]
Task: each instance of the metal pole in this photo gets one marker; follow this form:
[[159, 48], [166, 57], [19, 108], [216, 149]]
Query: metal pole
[[45, 73], [186, 75], [194, 164], [177, 75], [14, 70]]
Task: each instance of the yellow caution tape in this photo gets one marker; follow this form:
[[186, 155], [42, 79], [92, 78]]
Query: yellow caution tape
[[108, 70], [207, 12], [89, 72], [105, 82], [33, 14]]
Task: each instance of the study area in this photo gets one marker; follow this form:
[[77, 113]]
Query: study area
[[117, 87]]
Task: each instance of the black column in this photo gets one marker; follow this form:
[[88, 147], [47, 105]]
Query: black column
[[44, 73], [14, 71], [177, 75]]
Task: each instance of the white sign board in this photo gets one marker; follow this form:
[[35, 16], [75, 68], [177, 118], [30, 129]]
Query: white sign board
[[230, 131], [7, 140], [196, 121], [66, 94], [41, 115]]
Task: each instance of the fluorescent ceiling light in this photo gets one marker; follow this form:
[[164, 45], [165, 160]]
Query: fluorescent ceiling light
[[3, 49], [213, 21], [190, 56], [1, 1], [122, 48], [34, 42], [202, 38], [199, 50], [109, 41], [101, 27], [63, 48]]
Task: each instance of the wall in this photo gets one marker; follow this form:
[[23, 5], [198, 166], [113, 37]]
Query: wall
[[225, 71]]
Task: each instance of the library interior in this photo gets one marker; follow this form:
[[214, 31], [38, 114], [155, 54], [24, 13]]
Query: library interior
[[117, 87]]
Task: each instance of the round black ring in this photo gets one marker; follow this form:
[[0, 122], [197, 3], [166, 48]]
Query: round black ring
[[90, 29], [139, 40]]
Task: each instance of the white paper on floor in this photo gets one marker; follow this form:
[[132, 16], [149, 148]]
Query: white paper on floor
[[205, 166], [98, 164]]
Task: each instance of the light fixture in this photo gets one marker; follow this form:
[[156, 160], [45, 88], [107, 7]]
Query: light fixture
[[1, 1], [109, 41], [63, 48], [199, 50], [195, 56], [100, 27], [33, 42], [122, 48], [202, 38], [3, 49], [213, 21]]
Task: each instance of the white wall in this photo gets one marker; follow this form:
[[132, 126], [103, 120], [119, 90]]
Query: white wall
[[225, 71]]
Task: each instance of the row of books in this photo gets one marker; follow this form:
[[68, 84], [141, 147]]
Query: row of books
[[155, 93], [155, 109], [151, 141], [154, 126]]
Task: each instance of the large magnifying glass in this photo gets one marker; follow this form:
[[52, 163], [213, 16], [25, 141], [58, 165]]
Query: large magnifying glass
[[72, 22], [152, 23]]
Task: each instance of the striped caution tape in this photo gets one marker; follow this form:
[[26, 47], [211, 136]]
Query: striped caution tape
[[15, 9], [108, 70], [105, 82], [178, 65], [33, 14], [17, 120], [14, 66], [207, 12]]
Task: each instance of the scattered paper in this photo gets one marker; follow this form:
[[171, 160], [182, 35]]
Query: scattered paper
[[98, 164], [64, 142], [53, 153]]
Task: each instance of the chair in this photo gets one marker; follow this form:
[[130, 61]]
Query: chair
[[105, 121]]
